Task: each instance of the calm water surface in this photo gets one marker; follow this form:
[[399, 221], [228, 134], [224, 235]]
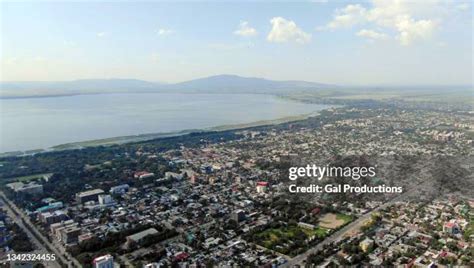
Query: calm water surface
[[36, 123]]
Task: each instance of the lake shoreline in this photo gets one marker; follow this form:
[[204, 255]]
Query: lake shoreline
[[152, 136]]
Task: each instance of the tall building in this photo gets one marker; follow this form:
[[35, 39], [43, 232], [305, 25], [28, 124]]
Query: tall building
[[106, 261]]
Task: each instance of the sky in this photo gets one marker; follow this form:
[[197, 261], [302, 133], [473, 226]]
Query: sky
[[377, 42]]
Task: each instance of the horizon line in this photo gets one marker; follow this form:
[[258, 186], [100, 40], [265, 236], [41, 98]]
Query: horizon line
[[240, 76]]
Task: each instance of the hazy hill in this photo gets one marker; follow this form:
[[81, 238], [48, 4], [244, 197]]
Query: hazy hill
[[212, 84], [238, 84]]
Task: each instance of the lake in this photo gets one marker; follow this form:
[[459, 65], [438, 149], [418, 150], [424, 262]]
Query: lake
[[39, 123]]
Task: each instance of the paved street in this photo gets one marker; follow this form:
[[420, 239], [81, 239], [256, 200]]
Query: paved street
[[23, 219], [40, 248]]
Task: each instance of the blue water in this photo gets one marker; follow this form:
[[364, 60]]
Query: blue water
[[36, 123]]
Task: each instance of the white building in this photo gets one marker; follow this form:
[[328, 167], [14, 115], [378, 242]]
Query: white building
[[152, 265], [106, 261], [105, 199]]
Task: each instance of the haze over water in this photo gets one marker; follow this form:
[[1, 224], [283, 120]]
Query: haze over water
[[38, 123]]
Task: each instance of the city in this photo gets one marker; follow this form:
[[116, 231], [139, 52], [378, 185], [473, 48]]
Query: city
[[218, 198], [270, 134]]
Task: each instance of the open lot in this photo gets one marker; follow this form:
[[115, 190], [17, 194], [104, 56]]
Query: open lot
[[334, 221]]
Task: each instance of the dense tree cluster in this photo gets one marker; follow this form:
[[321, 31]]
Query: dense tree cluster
[[19, 242]]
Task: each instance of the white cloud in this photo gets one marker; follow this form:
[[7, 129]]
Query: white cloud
[[385, 12], [372, 34], [348, 16], [101, 34], [407, 19], [284, 30], [411, 30], [245, 30], [163, 31]]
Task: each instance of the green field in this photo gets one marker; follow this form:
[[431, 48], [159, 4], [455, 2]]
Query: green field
[[281, 239], [320, 232], [344, 217]]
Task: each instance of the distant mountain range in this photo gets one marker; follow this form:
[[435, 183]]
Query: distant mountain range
[[234, 83], [212, 84]]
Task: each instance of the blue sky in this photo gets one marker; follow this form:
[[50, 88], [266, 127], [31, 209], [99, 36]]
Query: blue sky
[[349, 43]]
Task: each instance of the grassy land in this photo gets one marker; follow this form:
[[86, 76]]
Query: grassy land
[[344, 217], [320, 232], [280, 239]]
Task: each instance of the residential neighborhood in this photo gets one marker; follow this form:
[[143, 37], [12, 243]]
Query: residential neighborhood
[[225, 203]]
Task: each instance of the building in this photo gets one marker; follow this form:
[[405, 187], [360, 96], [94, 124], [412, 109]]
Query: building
[[32, 188], [85, 237], [106, 261], [105, 199], [366, 244], [238, 215], [152, 265], [262, 186], [143, 175], [138, 237], [192, 179], [119, 189], [51, 207], [70, 234], [444, 137], [451, 228], [306, 226], [181, 256], [49, 218], [173, 175], [91, 195], [58, 230]]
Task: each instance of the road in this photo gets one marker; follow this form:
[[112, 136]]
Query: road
[[40, 248], [30, 228], [298, 260]]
